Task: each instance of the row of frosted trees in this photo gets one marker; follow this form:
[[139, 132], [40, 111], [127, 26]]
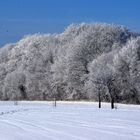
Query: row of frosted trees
[[87, 61]]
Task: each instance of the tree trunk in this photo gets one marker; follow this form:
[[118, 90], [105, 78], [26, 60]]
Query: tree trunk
[[99, 96], [112, 102], [111, 92]]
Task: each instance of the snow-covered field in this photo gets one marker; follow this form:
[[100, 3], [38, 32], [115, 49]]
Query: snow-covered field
[[68, 121]]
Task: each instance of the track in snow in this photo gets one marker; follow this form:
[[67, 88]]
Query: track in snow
[[68, 121]]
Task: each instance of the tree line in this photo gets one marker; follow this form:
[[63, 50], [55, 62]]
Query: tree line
[[86, 62]]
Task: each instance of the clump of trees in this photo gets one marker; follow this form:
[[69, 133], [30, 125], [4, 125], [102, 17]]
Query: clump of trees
[[87, 61]]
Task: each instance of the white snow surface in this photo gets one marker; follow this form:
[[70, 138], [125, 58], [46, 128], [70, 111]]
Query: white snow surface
[[68, 121]]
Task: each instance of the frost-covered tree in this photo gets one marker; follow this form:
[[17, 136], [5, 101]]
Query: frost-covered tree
[[34, 56], [88, 45], [127, 64], [37, 65], [14, 86], [102, 76]]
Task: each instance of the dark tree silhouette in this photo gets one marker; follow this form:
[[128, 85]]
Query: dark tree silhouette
[[23, 92]]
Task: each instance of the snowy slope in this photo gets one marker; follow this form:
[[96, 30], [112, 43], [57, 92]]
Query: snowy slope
[[68, 121]]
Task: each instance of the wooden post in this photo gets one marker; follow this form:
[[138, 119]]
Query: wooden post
[[55, 101]]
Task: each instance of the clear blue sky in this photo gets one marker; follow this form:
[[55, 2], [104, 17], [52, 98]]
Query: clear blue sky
[[21, 17]]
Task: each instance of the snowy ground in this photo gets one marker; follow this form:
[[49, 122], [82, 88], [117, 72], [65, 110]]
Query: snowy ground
[[68, 121]]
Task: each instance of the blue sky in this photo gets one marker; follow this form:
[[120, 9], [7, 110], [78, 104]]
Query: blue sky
[[22, 17]]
